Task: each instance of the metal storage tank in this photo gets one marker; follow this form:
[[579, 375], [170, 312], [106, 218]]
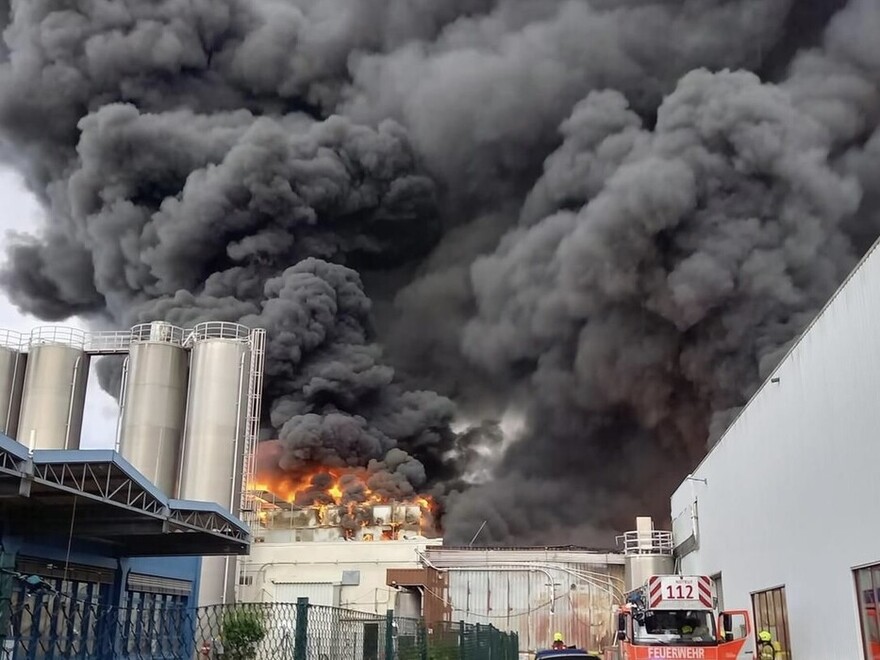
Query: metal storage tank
[[54, 392], [647, 552], [12, 368], [154, 402], [211, 462]]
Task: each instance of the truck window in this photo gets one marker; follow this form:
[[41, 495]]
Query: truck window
[[692, 627]]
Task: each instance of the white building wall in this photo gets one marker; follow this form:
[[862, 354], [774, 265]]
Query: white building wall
[[792, 490], [273, 570]]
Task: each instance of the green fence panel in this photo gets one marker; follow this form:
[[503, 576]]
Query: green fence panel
[[156, 629]]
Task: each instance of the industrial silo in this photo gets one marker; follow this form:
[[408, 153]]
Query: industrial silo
[[647, 552], [154, 402], [54, 391], [12, 368], [211, 463]]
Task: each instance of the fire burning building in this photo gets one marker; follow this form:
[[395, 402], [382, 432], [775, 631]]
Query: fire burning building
[[330, 504], [279, 520], [327, 535]]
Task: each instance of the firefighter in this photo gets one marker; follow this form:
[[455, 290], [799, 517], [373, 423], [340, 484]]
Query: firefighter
[[557, 642], [693, 630], [767, 648]]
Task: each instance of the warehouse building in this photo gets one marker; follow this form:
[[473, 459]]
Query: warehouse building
[[338, 574], [81, 535], [310, 552], [98, 546], [782, 511], [534, 592]]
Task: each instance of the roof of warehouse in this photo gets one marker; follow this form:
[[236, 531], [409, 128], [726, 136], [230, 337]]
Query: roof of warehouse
[[444, 555], [529, 548], [96, 495]]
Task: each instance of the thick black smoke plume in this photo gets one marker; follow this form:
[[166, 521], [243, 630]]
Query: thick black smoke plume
[[608, 218]]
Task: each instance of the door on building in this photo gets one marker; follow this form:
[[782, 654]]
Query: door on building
[[371, 641], [771, 614], [868, 593]]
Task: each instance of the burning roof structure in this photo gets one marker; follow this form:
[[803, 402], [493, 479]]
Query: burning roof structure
[[328, 504]]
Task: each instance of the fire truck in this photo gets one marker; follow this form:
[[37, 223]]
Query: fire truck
[[666, 615]]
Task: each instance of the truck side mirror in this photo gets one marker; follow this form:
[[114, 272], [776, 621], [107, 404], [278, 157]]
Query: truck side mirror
[[621, 627], [734, 625], [727, 626]]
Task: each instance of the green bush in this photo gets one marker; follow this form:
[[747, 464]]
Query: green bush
[[448, 652], [242, 631]]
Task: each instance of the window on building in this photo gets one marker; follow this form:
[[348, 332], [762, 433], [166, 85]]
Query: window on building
[[771, 614], [868, 592]]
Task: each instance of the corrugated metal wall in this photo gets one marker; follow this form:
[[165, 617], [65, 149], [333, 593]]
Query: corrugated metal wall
[[544, 592]]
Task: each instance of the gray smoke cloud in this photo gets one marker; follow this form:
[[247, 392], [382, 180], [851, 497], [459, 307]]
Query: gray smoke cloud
[[609, 218]]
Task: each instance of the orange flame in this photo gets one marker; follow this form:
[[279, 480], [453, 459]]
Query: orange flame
[[300, 488]]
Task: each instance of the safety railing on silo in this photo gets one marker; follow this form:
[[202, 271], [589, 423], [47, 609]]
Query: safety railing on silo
[[57, 335], [13, 340], [111, 342], [217, 330], [157, 332], [648, 542]]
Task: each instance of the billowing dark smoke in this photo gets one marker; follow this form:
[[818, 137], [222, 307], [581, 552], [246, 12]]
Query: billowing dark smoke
[[591, 215]]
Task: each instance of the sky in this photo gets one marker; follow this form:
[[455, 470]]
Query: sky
[[22, 213]]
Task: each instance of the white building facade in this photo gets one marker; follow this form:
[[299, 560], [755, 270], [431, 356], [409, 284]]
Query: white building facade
[[347, 574], [785, 509]]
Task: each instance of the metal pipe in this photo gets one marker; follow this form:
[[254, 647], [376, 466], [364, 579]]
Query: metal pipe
[[236, 458], [549, 565], [123, 386], [186, 413], [471, 544], [6, 423], [225, 579], [70, 403]]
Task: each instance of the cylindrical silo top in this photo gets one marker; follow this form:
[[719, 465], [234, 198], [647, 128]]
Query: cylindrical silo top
[[12, 340], [220, 330], [58, 335], [157, 332], [12, 367]]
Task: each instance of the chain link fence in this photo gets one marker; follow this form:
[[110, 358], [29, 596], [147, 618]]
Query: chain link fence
[[465, 641], [50, 626]]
